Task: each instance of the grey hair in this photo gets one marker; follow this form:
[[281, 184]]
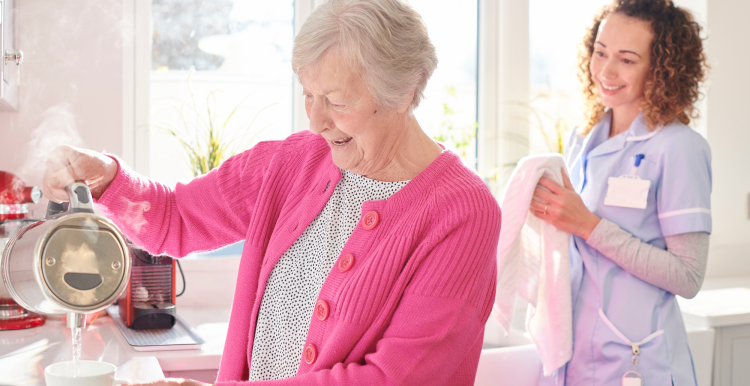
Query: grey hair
[[385, 40]]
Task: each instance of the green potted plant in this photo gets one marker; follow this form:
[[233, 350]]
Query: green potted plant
[[204, 134]]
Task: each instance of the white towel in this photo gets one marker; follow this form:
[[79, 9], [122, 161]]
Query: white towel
[[533, 261]]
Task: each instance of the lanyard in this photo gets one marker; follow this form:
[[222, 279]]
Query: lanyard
[[634, 345]]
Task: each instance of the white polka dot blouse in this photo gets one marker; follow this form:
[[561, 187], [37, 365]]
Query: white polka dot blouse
[[295, 282]]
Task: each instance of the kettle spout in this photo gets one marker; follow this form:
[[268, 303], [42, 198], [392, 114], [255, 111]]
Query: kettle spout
[[76, 320]]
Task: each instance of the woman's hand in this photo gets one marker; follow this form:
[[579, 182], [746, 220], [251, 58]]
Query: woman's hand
[[171, 382], [67, 164], [562, 207]]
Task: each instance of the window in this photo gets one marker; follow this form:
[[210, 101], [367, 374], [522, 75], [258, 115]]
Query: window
[[449, 110], [243, 47], [555, 29], [236, 55]]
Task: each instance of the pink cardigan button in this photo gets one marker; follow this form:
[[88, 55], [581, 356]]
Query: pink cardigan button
[[310, 353], [322, 309], [371, 220], [346, 262]]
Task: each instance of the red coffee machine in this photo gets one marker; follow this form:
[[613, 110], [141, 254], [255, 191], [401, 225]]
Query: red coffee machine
[[149, 301], [15, 198]]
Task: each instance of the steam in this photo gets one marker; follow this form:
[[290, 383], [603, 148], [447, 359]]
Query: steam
[[72, 54], [58, 128], [60, 30], [132, 217], [64, 44]]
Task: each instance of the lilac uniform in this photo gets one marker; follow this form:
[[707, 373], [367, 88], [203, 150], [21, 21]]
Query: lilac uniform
[[610, 304]]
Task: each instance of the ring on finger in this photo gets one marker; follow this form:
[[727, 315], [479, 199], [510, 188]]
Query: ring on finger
[[545, 209]]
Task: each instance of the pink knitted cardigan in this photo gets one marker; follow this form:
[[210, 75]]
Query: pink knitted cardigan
[[411, 309]]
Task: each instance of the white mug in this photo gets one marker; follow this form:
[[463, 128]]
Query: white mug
[[81, 373]]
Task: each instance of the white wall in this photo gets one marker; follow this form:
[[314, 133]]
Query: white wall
[[72, 70], [729, 136]]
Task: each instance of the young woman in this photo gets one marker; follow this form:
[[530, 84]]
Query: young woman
[[638, 199]]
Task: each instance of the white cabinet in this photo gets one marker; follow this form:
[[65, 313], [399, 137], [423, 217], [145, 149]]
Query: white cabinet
[[727, 311], [10, 56], [732, 356]]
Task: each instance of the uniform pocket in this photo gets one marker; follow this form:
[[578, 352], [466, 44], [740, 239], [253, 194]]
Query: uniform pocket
[[612, 355]]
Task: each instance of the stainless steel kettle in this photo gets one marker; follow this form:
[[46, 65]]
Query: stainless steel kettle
[[73, 261]]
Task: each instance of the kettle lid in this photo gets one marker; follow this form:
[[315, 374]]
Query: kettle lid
[[84, 263]]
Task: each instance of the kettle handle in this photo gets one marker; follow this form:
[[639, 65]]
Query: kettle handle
[[80, 201]]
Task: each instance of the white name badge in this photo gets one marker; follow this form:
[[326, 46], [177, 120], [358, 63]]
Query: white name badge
[[628, 191]]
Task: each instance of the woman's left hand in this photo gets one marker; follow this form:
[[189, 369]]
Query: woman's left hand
[[171, 382], [562, 207]]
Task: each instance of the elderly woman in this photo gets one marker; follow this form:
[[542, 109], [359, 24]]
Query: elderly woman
[[369, 253]]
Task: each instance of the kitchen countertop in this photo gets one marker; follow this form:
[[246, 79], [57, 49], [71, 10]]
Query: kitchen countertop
[[718, 307], [25, 353]]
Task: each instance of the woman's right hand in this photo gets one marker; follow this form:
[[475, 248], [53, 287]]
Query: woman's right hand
[[67, 164]]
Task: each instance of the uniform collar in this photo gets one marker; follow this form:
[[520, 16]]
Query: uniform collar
[[598, 141], [638, 130]]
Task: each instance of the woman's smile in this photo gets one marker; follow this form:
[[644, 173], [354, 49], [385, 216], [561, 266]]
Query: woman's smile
[[609, 89], [341, 142]]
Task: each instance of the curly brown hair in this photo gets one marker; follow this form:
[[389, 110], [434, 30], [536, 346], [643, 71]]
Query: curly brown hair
[[678, 63]]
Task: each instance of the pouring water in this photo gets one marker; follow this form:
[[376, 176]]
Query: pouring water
[[76, 343]]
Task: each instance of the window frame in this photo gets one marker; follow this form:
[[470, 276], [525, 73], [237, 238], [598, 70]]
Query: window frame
[[503, 78], [136, 68]]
